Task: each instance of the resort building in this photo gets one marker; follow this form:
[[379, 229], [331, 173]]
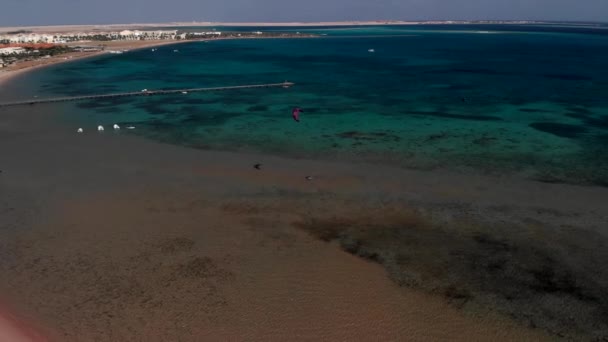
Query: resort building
[[27, 38], [206, 34], [147, 35], [24, 38], [12, 51]]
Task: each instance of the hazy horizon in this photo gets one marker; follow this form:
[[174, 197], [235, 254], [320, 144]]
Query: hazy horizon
[[75, 12]]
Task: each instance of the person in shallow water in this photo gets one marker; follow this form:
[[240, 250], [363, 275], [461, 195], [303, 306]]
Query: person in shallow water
[[295, 113]]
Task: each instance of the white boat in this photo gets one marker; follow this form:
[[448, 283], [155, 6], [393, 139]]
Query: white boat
[[184, 92], [371, 50]]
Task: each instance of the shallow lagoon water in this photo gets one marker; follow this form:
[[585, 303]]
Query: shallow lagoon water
[[521, 100]]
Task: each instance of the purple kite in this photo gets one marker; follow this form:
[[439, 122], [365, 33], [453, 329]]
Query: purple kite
[[295, 113]]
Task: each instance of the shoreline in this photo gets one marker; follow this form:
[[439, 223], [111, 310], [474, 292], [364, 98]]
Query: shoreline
[[9, 73]]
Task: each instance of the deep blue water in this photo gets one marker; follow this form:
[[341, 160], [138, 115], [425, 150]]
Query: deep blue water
[[524, 100]]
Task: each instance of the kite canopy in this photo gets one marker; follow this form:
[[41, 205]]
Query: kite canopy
[[295, 113]]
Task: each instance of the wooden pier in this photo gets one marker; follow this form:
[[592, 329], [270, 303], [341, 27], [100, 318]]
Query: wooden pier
[[143, 92]]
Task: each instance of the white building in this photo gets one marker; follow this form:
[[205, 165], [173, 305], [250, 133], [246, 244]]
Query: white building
[[12, 51], [28, 38], [160, 34], [62, 38], [147, 35], [128, 34], [210, 33]]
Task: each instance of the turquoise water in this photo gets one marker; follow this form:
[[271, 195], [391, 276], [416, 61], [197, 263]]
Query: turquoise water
[[521, 100]]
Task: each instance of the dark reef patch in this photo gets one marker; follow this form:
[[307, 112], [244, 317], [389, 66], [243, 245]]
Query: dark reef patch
[[104, 102], [485, 140], [456, 116], [312, 110], [533, 110], [215, 119], [461, 87], [436, 136], [258, 108], [578, 116], [600, 122], [559, 129], [108, 110], [153, 108], [371, 136], [580, 110], [557, 283], [568, 77], [477, 71]]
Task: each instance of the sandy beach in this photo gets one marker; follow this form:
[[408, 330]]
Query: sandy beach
[[12, 71], [16, 69]]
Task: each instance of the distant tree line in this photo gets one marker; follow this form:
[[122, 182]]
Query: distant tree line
[[100, 37], [52, 51], [33, 52], [18, 32]]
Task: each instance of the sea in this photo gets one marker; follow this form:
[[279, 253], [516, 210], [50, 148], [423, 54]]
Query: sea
[[525, 101]]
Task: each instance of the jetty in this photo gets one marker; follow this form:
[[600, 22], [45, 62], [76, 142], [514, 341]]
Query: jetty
[[144, 92]]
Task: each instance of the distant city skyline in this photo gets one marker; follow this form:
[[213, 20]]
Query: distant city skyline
[[66, 12]]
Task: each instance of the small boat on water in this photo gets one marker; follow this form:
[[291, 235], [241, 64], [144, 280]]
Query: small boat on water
[[371, 50]]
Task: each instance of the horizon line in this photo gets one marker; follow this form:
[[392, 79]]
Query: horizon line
[[312, 23]]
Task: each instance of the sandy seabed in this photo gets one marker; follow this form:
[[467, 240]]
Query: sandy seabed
[[112, 237]]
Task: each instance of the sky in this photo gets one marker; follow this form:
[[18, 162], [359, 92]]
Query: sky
[[58, 12]]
